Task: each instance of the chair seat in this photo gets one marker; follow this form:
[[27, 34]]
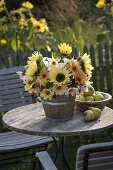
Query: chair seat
[[11, 141]]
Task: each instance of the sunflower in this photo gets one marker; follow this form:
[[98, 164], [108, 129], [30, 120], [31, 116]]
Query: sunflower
[[35, 57], [43, 77], [74, 66], [100, 4], [43, 21], [80, 77], [31, 69], [59, 90], [16, 14], [27, 5], [65, 49], [59, 76], [28, 83], [47, 94], [35, 88], [23, 23], [33, 21], [39, 27], [86, 64]]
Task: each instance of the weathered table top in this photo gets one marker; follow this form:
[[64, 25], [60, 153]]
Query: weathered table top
[[30, 119]]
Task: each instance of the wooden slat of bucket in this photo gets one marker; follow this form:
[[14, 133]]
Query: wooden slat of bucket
[[107, 70]]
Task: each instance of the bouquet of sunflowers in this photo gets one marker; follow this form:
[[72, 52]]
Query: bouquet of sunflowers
[[60, 74]]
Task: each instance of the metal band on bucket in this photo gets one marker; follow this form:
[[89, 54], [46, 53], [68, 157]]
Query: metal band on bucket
[[57, 104]]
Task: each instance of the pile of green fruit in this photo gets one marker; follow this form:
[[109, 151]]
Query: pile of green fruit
[[90, 95], [92, 113]]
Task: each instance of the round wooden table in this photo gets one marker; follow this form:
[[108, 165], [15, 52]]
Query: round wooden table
[[30, 119]]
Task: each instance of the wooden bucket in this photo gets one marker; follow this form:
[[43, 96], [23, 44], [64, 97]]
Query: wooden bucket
[[60, 107]]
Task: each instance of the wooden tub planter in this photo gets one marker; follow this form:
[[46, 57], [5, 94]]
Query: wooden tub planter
[[60, 108]]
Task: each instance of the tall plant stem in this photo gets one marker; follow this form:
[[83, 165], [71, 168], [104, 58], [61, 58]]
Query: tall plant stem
[[8, 14]]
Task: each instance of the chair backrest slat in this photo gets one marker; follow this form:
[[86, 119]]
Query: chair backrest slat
[[12, 92], [95, 156]]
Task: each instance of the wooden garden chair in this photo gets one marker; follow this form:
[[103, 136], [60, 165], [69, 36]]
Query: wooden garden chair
[[12, 95], [97, 156]]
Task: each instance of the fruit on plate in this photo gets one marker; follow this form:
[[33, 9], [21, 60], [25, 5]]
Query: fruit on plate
[[98, 96], [89, 98], [88, 116], [89, 91], [96, 111], [82, 98], [90, 95]]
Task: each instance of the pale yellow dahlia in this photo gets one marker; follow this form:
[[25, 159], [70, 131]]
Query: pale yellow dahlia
[[32, 69], [100, 4], [86, 61], [28, 83], [59, 76], [59, 90], [27, 5], [47, 94], [65, 49]]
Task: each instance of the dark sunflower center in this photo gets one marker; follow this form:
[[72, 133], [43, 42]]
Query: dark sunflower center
[[59, 87], [78, 79], [47, 92], [43, 75], [74, 68], [29, 82], [38, 27], [54, 63], [60, 77]]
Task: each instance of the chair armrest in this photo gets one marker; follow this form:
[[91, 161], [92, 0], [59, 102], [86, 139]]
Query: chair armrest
[[45, 160]]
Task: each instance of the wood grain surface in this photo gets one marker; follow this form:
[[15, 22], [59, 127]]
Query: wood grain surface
[[30, 119]]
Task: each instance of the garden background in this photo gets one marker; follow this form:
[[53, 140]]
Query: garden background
[[78, 23]]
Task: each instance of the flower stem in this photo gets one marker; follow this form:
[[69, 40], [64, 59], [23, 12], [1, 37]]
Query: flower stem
[[8, 14]]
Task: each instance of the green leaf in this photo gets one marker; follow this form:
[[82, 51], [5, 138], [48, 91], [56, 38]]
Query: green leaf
[[15, 45]]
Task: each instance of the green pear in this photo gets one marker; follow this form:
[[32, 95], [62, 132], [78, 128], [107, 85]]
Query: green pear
[[82, 98], [89, 98], [98, 96], [96, 111], [77, 97], [90, 91], [88, 115]]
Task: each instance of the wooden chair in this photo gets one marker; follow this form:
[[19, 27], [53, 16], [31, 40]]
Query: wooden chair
[[12, 95], [97, 156]]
